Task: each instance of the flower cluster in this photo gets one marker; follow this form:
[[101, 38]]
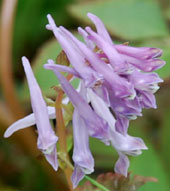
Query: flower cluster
[[116, 83]]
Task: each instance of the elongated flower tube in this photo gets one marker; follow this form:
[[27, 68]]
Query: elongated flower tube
[[101, 30], [27, 121], [82, 157], [144, 58], [116, 83], [97, 127], [124, 144], [121, 87], [116, 61], [127, 85], [46, 137], [74, 55]]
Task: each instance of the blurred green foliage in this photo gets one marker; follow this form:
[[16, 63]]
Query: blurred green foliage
[[29, 30], [143, 23], [126, 19]]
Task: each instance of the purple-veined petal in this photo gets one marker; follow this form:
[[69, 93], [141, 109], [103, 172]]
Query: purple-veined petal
[[122, 164], [142, 53], [122, 143], [127, 144], [77, 176], [122, 124], [82, 156], [147, 99], [125, 107], [144, 65], [145, 81], [101, 30], [46, 137], [96, 125], [51, 157], [102, 92]]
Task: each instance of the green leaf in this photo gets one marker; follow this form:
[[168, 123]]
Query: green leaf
[[30, 21], [104, 155], [165, 139], [164, 124], [149, 164], [127, 19]]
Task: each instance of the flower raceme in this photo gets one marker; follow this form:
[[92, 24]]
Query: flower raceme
[[124, 82], [113, 78]]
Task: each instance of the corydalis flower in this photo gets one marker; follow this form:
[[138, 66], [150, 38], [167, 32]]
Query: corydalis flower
[[46, 137], [82, 157], [124, 84]]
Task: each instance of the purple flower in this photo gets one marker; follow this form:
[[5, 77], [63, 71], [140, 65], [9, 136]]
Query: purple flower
[[97, 127], [82, 157], [27, 121], [143, 58], [124, 144], [74, 55], [114, 79], [121, 82], [46, 137]]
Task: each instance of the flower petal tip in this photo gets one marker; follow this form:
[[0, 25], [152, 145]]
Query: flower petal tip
[[24, 60], [7, 134], [90, 15]]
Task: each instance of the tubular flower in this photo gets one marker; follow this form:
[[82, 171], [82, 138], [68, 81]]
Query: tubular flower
[[121, 79], [116, 83], [82, 157], [118, 79], [41, 113]]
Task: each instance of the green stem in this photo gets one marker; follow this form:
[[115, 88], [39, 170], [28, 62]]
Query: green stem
[[96, 183], [62, 156]]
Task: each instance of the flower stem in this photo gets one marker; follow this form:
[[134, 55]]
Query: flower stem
[[96, 183], [63, 155], [61, 132]]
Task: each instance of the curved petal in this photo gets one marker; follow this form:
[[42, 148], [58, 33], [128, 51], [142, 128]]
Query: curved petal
[[127, 144], [121, 87], [25, 122], [122, 124], [52, 158], [100, 107], [148, 65], [101, 30], [97, 127], [46, 137], [116, 61], [82, 156], [142, 53], [89, 43], [61, 68], [122, 164], [77, 176], [74, 55]]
